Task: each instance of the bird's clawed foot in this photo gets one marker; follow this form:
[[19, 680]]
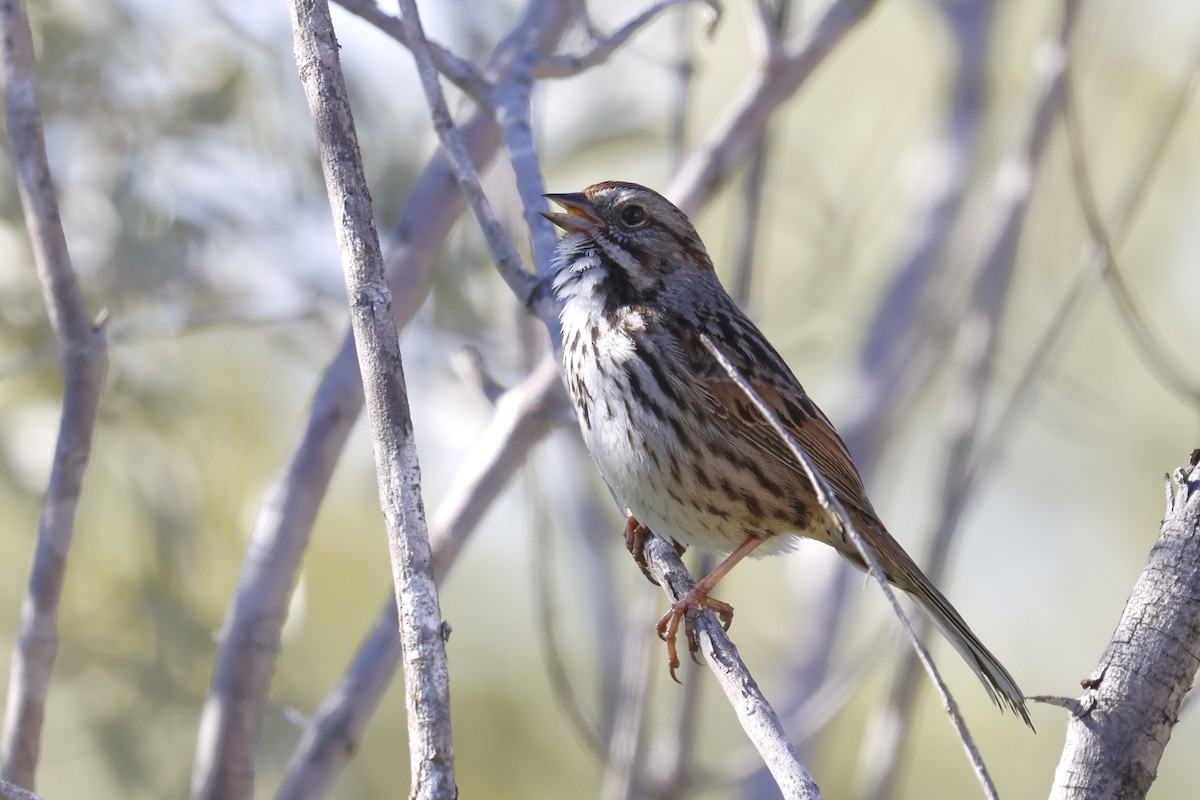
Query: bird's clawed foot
[[686, 611], [635, 538]]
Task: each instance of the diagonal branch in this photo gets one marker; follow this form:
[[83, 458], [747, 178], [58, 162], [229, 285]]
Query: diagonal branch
[[841, 520], [426, 674], [977, 344], [82, 351], [1153, 352], [733, 138], [758, 719], [457, 70], [520, 280]]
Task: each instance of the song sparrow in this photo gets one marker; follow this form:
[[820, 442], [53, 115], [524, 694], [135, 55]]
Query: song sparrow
[[682, 447]]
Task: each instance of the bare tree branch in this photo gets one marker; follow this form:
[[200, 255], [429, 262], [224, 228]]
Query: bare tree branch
[[758, 719], [524, 414], [426, 675], [1117, 734], [83, 354], [520, 280], [250, 635], [600, 49], [733, 137], [9, 791], [457, 70]]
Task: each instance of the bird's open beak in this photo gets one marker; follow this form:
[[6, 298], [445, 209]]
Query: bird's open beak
[[581, 214]]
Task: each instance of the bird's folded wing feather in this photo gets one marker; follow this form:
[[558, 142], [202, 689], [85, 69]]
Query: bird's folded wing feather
[[801, 418]]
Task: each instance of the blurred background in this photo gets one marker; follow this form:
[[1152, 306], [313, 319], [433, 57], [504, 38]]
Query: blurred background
[[196, 215]]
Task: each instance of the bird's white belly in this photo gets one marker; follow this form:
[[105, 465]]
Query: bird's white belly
[[639, 453]]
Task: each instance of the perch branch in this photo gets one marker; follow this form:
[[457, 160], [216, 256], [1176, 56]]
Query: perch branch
[[758, 719]]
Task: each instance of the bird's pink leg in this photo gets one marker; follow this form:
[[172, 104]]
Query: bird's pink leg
[[689, 606]]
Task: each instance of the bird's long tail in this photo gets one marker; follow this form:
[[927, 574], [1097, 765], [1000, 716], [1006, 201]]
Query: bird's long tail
[[904, 574]]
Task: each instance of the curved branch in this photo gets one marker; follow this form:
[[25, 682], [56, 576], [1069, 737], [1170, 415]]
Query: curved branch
[[457, 70]]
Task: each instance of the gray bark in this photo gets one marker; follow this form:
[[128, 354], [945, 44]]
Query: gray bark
[[1121, 724]]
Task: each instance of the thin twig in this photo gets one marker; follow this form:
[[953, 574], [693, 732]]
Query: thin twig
[[1154, 353], [426, 675], [758, 719], [988, 453], [520, 280], [82, 351], [732, 138], [977, 344], [457, 70], [838, 516], [600, 49]]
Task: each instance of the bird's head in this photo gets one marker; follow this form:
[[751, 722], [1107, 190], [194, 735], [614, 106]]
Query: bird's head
[[634, 234]]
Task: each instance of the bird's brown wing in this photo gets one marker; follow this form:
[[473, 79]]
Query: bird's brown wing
[[787, 399]]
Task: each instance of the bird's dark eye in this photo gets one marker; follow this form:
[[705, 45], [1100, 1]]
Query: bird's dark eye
[[633, 216]]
